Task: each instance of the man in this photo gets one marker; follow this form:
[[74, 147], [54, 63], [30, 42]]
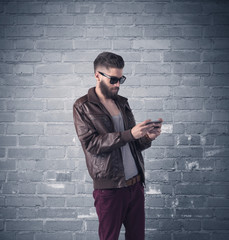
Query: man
[[112, 143]]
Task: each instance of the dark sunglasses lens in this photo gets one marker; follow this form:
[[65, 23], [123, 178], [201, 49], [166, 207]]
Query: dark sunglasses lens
[[122, 80], [114, 80]]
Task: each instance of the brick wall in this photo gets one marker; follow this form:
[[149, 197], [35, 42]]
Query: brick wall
[[176, 54]]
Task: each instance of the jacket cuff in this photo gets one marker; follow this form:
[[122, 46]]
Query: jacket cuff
[[127, 136], [146, 137], [146, 141]]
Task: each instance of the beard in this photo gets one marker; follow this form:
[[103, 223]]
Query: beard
[[107, 93]]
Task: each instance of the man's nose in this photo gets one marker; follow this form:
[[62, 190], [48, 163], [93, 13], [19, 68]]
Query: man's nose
[[117, 84]]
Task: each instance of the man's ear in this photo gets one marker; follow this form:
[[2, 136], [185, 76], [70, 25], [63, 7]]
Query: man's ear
[[97, 76]]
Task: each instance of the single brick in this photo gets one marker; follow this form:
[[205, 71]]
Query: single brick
[[55, 188], [183, 8], [17, 225], [62, 213], [27, 213], [123, 8], [61, 68], [31, 153], [162, 31], [151, 44], [62, 226], [54, 44], [170, 225], [53, 236], [194, 189], [8, 141], [190, 236], [67, 31], [180, 56], [215, 225], [55, 201]]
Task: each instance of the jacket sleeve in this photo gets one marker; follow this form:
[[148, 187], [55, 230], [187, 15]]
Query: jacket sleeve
[[143, 143], [91, 140]]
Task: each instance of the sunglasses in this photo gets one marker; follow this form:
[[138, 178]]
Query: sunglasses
[[114, 80]]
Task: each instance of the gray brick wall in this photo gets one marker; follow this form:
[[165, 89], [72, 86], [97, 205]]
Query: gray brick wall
[[177, 68]]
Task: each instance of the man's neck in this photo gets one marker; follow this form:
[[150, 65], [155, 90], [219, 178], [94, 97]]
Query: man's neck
[[101, 97], [108, 103]]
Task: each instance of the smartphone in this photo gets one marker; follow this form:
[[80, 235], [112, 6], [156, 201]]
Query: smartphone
[[157, 121]]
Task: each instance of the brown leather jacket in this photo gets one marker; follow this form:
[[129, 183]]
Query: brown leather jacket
[[101, 144]]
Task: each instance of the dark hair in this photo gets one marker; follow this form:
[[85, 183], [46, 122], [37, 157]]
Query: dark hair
[[109, 60]]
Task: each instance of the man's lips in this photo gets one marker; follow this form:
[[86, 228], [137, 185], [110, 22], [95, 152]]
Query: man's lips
[[116, 88]]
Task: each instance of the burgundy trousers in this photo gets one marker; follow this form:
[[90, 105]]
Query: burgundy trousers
[[119, 206]]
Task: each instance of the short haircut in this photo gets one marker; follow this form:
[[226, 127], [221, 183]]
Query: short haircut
[[108, 60]]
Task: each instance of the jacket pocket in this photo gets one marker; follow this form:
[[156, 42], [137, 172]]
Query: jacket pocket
[[106, 193], [100, 121]]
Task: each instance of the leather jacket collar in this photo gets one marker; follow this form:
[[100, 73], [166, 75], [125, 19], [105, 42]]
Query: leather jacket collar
[[92, 97]]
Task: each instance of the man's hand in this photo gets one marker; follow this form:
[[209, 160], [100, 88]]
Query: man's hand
[[156, 131], [141, 129]]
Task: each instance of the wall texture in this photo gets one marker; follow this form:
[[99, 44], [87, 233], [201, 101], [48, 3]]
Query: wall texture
[[177, 68]]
